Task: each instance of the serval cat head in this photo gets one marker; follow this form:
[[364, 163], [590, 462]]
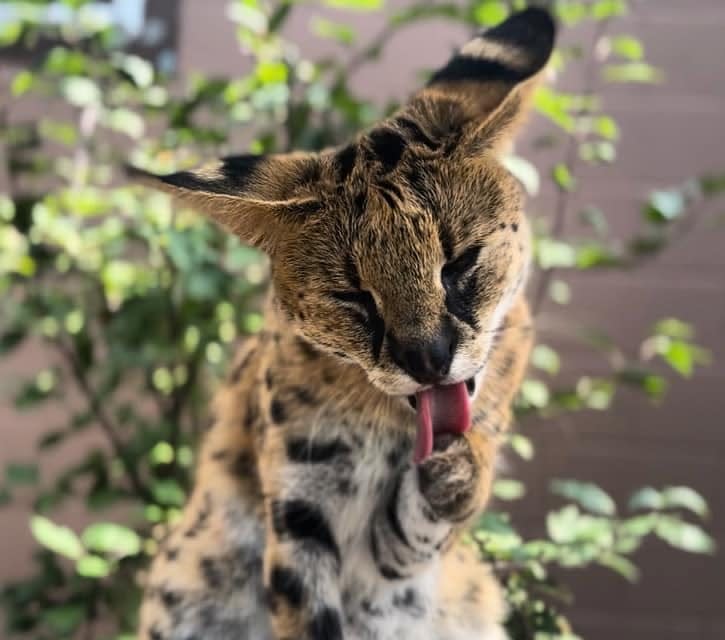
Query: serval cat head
[[402, 250]]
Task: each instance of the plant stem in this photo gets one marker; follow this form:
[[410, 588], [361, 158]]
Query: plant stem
[[104, 421], [571, 155]]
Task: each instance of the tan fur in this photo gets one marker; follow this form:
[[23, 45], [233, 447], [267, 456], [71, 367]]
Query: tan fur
[[305, 486]]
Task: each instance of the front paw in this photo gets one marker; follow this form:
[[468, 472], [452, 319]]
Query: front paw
[[449, 478]]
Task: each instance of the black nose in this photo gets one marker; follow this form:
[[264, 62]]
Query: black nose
[[426, 362]]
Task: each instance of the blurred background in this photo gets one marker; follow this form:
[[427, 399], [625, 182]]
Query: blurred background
[[119, 313]]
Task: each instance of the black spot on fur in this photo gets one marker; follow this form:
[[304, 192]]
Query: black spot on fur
[[303, 450], [345, 162], [387, 147], [302, 395], [243, 465], [514, 227], [202, 518], [277, 411], [286, 583], [172, 553], [212, 573], [326, 625], [370, 609], [268, 378], [250, 417], [410, 601], [170, 599], [155, 633], [303, 521]]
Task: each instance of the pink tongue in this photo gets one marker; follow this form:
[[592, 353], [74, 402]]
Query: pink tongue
[[440, 410]]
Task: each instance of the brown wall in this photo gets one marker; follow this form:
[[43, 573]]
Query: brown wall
[[670, 132]]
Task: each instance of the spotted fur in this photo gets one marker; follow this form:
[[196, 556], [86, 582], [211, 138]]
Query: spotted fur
[[396, 258]]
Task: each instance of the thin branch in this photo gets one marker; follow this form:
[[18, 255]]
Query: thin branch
[[571, 156], [104, 420]]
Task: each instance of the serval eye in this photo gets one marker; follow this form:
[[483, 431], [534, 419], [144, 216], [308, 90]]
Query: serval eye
[[461, 265], [364, 310]]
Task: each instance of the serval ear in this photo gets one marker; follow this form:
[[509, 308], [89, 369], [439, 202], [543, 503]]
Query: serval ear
[[484, 91], [258, 198]]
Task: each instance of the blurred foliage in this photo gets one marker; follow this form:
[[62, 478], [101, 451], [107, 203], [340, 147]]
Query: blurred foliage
[[138, 304]]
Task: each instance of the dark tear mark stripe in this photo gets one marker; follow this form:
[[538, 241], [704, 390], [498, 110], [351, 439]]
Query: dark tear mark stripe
[[391, 512], [304, 522], [305, 451], [416, 134], [326, 625], [462, 264], [462, 300], [287, 583]]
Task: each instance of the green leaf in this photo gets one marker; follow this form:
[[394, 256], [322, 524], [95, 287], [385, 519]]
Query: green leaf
[[355, 5], [17, 473], [607, 127], [168, 492], [633, 72], [342, 33], [545, 358], [553, 254], [508, 489], [563, 177], [588, 495], [10, 32], [621, 565], [712, 185], [81, 91], [65, 619], [22, 82], [627, 47], [685, 498], [535, 393], [93, 567], [674, 328], [60, 540], [646, 498], [490, 12], [683, 535], [665, 206], [603, 9], [111, 538], [522, 446], [595, 218]]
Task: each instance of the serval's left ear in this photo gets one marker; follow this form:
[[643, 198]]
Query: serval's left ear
[[484, 91], [260, 199]]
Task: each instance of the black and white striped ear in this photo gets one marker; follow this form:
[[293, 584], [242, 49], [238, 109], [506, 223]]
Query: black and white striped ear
[[258, 198], [486, 86]]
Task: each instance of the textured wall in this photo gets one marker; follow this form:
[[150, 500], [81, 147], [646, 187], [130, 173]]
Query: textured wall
[[670, 132]]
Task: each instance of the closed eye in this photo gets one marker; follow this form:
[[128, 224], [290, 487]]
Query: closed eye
[[365, 311], [461, 265], [360, 298]]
